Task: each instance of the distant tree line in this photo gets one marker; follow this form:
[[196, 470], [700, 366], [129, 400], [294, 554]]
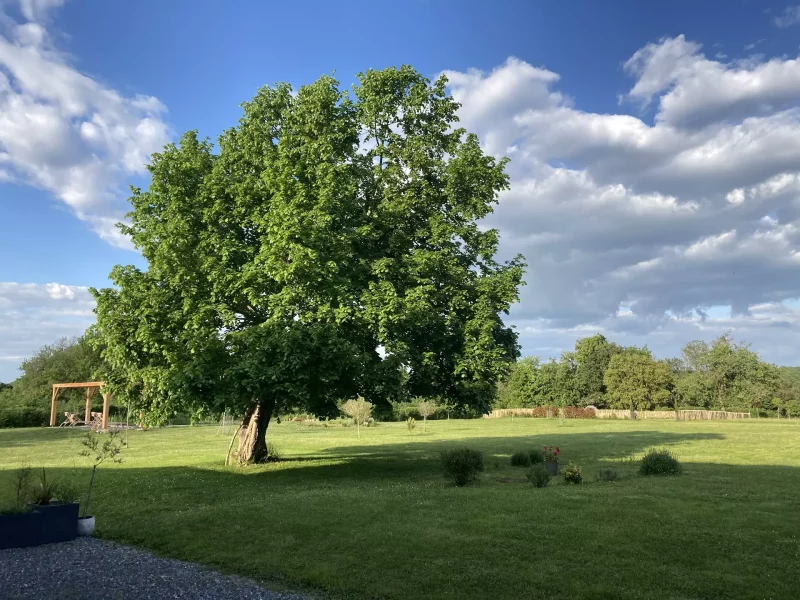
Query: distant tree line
[[721, 375], [26, 401]]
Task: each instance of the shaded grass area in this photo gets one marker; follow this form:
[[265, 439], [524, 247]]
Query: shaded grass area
[[373, 517]]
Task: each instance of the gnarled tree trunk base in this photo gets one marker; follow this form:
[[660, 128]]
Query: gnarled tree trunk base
[[253, 432]]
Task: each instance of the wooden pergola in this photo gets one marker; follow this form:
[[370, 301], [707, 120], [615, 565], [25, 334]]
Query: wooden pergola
[[91, 388]]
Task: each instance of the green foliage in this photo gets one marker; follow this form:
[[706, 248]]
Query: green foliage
[[462, 465], [592, 357], [22, 483], [521, 459], [606, 474], [659, 462], [24, 416], [572, 474], [325, 227], [536, 456], [43, 491], [637, 382], [26, 403], [273, 454], [411, 423], [538, 475]]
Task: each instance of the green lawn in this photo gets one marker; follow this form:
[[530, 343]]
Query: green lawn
[[373, 518]]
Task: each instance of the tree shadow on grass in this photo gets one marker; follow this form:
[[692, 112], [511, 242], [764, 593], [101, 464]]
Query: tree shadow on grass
[[364, 512], [421, 457]]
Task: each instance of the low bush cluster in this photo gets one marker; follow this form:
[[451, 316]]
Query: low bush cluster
[[462, 465], [538, 475], [521, 459], [572, 474], [526, 458], [607, 474], [659, 462], [24, 416]]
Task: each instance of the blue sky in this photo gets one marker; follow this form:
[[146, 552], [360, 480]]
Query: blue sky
[[582, 93]]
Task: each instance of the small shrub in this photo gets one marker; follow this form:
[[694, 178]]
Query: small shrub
[[411, 423], [462, 465], [538, 475], [67, 492], [44, 491], [520, 459], [659, 462], [536, 456], [273, 454], [607, 474], [572, 474]]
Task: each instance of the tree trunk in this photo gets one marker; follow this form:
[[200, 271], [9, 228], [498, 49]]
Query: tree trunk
[[253, 433]]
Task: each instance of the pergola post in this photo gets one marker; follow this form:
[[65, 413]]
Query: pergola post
[[89, 395], [106, 402], [53, 406]]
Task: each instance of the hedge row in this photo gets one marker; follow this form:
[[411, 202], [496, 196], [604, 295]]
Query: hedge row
[[24, 416]]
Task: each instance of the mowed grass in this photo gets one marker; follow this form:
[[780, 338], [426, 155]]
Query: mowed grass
[[373, 517]]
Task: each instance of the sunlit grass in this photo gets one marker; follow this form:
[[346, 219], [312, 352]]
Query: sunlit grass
[[373, 517]]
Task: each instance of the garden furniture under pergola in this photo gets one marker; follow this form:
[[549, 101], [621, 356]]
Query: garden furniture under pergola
[[91, 389]]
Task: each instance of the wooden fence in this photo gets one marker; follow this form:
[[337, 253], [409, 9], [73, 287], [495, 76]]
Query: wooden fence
[[682, 415]]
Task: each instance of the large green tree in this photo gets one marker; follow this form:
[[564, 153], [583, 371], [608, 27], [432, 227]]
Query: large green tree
[[592, 356], [330, 248], [634, 380]]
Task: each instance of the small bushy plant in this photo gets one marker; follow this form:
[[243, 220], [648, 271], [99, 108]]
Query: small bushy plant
[[536, 456], [572, 474], [411, 423], [520, 459], [538, 475], [659, 462], [273, 454], [462, 465], [607, 474]]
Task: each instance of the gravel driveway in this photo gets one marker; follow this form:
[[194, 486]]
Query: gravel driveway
[[89, 569]]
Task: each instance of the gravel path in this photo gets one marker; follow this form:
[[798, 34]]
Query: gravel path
[[89, 569]]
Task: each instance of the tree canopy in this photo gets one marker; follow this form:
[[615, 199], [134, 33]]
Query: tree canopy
[[330, 248], [722, 374], [636, 381]]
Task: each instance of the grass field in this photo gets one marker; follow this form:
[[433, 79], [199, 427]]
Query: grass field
[[373, 517]]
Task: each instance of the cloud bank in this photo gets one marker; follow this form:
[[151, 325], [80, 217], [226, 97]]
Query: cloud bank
[[653, 231]]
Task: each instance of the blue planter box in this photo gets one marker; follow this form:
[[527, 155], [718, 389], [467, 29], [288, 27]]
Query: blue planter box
[[42, 525]]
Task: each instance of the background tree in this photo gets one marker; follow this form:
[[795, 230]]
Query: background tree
[[359, 410], [426, 408], [520, 387], [26, 403], [278, 267], [592, 356], [637, 382]]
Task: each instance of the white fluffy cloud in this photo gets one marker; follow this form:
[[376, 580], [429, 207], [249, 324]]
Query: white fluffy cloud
[[32, 315], [642, 227], [65, 132]]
